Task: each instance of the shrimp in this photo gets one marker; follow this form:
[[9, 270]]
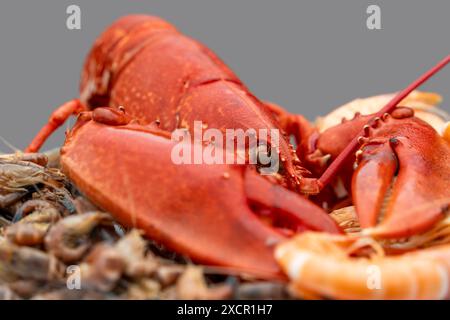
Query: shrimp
[[324, 265]]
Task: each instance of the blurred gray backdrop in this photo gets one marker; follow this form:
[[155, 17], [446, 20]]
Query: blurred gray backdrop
[[309, 56]]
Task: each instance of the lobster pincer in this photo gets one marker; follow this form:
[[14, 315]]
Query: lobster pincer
[[221, 214]]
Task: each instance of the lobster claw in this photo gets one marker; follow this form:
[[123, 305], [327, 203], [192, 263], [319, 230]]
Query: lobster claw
[[401, 185], [214, 214], [372, 180]]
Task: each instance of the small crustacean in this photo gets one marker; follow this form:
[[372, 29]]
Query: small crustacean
[[167, 274], [36, 218], [107, 263], [8, 198], [17, 172], [37, 158], [102, 268], [324, 265], [21, 173], [139, 262], [143, 289], [15, 175], [16, 261], [69, 238]]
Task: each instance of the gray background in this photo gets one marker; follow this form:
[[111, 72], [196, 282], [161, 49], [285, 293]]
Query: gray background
[[309, 56]]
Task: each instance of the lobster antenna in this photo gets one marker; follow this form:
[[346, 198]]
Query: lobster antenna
[[336, 165]]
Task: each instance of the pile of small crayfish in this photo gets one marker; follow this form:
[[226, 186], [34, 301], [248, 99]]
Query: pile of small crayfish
[[387, 158]]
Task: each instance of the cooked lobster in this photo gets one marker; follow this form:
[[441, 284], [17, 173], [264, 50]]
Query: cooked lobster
[[142, 80]]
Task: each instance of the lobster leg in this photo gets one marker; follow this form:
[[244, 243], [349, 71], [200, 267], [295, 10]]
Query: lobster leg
[[56, 120]]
